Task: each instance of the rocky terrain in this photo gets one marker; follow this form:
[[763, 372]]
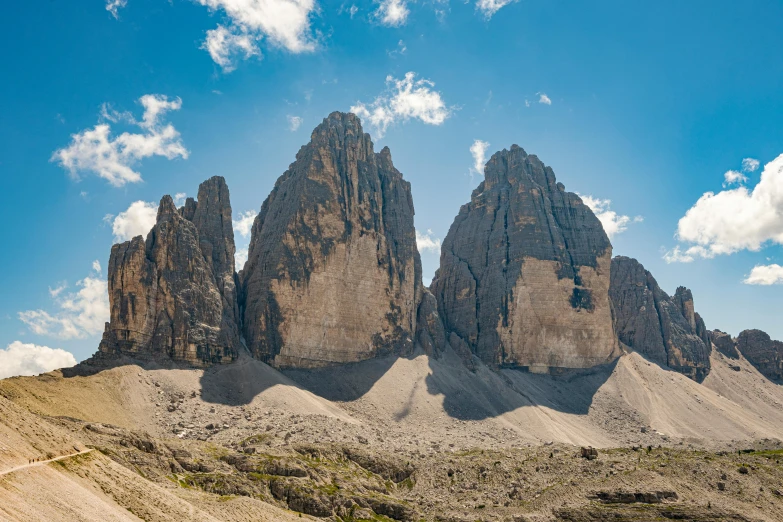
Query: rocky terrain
[[665, 329], [524, 272], [538, 379]]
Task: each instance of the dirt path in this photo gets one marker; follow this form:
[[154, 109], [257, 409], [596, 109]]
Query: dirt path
[[33, 464]]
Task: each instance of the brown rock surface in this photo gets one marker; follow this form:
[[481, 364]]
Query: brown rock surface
[[524, 272], [173, 295], [664, 329], [724, 343], [762, 352], [333, 273]]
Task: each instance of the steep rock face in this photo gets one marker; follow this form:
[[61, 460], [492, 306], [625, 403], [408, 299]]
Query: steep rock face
[[333, 273], [173, 295], [665, 329], [724, 343], [762, 352], [524, 272]]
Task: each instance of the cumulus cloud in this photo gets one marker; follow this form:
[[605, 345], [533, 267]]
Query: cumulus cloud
[[79, 314], [750, 165], [612, 222], [30, 359], [479, 152], [543, 98], [112, 158], [765, 275], [283, 23], [392, 13], [225, 46], [734, 219], [405, 99], [427, 241], [490, 7], [240, 258], [113, 6], [244, 224], [294, 122], [137, 220], [733, 177]]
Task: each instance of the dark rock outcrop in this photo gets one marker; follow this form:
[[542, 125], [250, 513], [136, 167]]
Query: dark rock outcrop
[[724, 343], [664, 329], [524, 272], [333, 273], [173, 295], [762, 352]]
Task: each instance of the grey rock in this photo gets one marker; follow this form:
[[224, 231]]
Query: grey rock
[[524, 272], [762, 352], [171, 296], [724, 343], [664, 329]]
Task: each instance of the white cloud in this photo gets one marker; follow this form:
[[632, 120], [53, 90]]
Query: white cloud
[[543, 98], [353, 10], [179, 199], [393, 13], [612, 222], [427, 241], [479, 152], [79, 314], [244, 224], [734, 219], [224, 46], [240, 258], [96, 266], [405, 99], [294, 122], [112, 158], [115, 5], [30, 359], [765, 275], [750, 165], [138, 220], [490, 7], [732, 177], [283, 23]]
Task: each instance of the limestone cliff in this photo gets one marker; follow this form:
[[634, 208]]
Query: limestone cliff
[[333, 273], [762, 352], [665, 329], [524, 272], [173, 295], [724, 343]]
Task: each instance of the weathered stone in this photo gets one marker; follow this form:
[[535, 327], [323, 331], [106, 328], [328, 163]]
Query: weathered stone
[[430, 334], [724, 343], [173, 295], [333, 273], [662, 328], [762, 352], [524, 272]]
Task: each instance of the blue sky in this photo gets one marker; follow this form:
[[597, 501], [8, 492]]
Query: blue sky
[[649, 107]]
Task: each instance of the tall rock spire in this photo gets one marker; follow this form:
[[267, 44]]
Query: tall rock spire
[[173, 295], [333, 273], [524, 272]]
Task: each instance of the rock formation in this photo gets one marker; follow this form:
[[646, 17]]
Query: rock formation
[[524, 272], [664, 329], [762, 352], [333, 273], [724, 343], [174, 295]]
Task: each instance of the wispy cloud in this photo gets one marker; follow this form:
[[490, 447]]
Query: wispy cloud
[[544, 99], [112, 158], [612, 222], [225, 46], [393, 13], [427, 241], [404, 99], [479, 152], [294, 122], [490, 7], [244, 225], [113, 6]]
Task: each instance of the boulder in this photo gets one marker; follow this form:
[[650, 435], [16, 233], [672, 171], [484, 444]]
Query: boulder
[[524, 272], [664, 329]]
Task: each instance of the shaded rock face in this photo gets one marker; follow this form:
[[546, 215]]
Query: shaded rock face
[[724, 343], [333, 273], [664, 329], [762, 352], [524, 272], [174, 295]]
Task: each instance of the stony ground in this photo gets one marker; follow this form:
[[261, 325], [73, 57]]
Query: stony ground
[[414, 440]]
